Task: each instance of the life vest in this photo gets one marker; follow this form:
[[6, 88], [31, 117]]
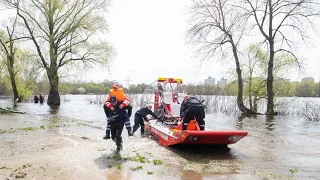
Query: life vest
[[119, 94], [193, 126]]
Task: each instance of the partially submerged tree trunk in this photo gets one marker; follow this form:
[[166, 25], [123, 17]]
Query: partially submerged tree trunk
[[240, 103], [12, 74], [270, 95], [250, 90], [270, 39], [255, 103], [53, 97]]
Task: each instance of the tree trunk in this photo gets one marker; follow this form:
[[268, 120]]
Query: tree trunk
[[14, 89], [10, 64], [270, 105], [240, 104], [250, 90], [54, 97], [255, 103]]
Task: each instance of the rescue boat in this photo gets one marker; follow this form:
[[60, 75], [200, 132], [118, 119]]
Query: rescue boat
[[167, 96]]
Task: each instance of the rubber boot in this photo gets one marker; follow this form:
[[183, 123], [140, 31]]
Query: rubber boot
[[142, 130], [134, 129], [130, 133], [107, 136], [119, 145]]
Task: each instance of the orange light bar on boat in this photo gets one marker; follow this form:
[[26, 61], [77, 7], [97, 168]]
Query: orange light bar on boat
[[177, 80], [161, 79], [170, 80]]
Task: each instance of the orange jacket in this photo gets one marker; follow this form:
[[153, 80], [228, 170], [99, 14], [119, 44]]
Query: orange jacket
[[120, 95]]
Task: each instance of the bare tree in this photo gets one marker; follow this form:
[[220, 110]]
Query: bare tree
[[216, 28], [62, 33], [279, 22], [8, 48]]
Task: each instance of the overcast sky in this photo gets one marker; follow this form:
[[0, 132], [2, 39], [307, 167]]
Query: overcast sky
[[150, 40], [149, 37]]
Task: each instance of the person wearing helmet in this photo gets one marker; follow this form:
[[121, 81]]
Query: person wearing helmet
[[193, 108], [118, 93], [141, 115]]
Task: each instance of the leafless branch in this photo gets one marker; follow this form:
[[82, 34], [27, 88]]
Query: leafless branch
[[292, 54]]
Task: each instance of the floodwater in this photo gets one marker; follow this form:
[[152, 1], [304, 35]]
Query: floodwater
[[283, 147]]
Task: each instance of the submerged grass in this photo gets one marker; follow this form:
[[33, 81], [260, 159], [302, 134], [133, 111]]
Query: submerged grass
[[157, 162], [20, 173], [136, 168], [27, 129], [138, 158]]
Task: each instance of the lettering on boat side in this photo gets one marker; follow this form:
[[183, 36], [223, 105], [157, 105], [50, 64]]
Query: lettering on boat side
[[163, 136]]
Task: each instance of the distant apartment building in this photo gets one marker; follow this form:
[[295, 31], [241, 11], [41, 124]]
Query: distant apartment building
[[308, 79], [210, 81], [222, 82]]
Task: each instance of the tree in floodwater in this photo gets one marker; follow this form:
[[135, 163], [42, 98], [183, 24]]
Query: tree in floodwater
[[280, 22], [62, 33], [254, 84], [9, 50], [256, 69], [216, 29]]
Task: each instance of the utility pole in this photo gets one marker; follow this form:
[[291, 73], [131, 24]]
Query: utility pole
[[127, 80]]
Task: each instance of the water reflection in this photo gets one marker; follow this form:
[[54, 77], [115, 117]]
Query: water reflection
[[240, 119], [270, 122], [54, 109]]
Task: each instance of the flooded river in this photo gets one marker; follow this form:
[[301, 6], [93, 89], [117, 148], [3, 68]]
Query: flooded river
[[67, 142]]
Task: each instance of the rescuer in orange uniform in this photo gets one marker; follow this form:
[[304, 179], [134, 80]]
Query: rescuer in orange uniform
[[124, 102], [119, 94]]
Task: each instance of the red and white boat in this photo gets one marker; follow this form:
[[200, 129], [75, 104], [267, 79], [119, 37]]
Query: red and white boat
[[167, 96]]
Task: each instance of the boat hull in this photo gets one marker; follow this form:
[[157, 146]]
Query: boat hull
[[170, 136]]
